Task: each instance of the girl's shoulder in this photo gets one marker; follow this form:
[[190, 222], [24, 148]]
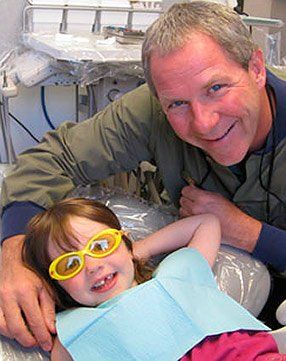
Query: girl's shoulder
[[186, 264]]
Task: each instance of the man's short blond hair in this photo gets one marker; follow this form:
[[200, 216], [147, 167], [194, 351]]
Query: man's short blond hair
[[172, 30]]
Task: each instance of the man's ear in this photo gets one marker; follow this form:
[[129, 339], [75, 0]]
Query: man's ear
[[256, 68]]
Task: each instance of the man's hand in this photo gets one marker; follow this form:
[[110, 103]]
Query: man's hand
[[238, 229], [27, 311]]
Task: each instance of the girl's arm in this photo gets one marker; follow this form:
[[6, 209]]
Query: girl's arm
[[59, 353], [201, 232]]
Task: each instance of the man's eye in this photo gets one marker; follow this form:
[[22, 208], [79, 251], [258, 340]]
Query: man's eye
[[177, 104], [216, 88]]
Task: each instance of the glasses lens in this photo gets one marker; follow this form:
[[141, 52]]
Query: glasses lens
[[68, 265], [102, 244]]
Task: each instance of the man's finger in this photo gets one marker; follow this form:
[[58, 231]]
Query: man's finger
[[47, 305], [3, 326], [16, 326], [36, 322], [184, 213]]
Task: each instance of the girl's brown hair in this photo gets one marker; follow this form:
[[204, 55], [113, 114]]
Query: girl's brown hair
[[54, 224]]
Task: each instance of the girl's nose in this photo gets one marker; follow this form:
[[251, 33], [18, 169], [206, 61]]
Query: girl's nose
[[93, 265]]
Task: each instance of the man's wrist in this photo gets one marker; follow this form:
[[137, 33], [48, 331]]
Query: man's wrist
[[12, 248], [245, 234]]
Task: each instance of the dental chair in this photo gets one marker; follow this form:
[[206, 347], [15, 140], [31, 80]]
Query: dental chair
[[280, 334], [238, 274]]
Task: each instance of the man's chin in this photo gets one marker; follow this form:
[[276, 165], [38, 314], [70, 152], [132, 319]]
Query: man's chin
[[228, 160]]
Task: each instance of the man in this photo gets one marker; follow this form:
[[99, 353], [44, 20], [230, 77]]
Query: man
[[212, 112]]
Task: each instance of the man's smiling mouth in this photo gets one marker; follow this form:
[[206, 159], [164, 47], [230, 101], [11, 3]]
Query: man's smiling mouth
[[224, 135]]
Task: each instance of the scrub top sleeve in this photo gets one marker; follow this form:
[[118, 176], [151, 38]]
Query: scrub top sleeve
[[16, 216], [271, 247]]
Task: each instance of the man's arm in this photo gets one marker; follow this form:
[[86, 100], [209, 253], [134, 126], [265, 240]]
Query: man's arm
[[115, 140], [201, 232], [240, 230]]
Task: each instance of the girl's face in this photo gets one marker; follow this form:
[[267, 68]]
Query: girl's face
[[101, 278]]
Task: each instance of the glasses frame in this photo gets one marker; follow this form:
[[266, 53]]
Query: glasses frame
[[117, 234]]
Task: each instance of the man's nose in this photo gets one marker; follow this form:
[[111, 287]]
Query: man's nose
[[205, 117]]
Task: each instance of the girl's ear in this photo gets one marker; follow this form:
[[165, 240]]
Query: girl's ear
[[128, 242], [127, 234], [256, 68]]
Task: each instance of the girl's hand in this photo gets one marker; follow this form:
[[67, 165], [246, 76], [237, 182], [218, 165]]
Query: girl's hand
[[139, 251], [59, 353]]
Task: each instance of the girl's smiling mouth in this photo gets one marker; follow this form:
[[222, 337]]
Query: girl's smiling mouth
[[105, 284]]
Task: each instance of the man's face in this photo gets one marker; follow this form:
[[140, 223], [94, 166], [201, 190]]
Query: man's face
[[211, 101]]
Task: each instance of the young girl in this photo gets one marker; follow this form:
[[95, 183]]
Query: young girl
[[178, 313]]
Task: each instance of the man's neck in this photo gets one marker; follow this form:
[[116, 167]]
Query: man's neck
[[267, 116]]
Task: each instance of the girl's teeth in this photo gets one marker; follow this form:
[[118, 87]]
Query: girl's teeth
[[102, 282]]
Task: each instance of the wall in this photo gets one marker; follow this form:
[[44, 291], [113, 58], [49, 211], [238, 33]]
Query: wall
[[10, 30], [269, 9], [255, 8], [60, 103], [278, 10]]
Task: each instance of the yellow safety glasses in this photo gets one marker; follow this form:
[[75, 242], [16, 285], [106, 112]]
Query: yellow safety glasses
[[70, 264]]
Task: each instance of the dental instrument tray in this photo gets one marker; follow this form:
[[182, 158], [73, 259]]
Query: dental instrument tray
[[124, 35]]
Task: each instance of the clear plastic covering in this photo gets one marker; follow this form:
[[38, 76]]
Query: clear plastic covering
[[136, 215], [237, 273], [77, 48], [11, 350], [272, 44], [273, 49], [41, 58], [32, 66], [86, 59], [274, 60], [243, 278]]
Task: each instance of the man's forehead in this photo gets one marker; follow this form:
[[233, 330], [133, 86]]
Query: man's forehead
[[193, 37], [176, 81]]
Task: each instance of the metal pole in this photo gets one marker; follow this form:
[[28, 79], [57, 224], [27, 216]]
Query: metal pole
[[10, 152]]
